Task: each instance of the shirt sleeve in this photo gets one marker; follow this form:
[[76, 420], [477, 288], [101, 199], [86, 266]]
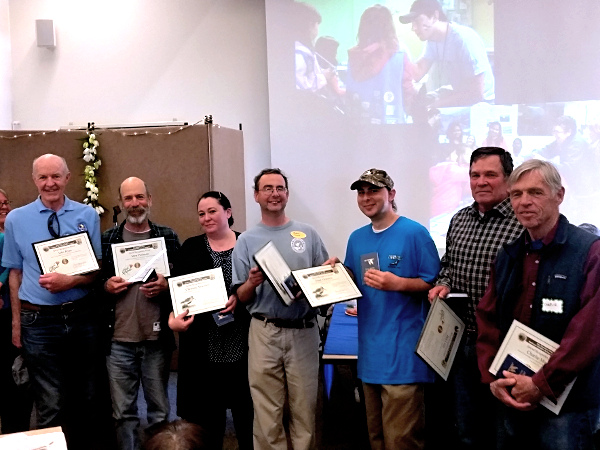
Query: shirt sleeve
[[444, 275], [580, 345], [488, 333], [240, 263], [3, 270], [94, 232], [11, 254], [320, 254]]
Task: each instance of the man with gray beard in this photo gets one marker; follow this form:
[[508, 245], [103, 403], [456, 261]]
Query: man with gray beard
[[141, 341]]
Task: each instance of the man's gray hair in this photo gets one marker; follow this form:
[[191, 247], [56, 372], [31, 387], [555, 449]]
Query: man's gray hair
[[64, 162], [547, 170]]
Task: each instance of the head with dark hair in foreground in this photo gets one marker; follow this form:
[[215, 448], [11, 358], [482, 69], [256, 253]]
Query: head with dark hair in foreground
[[178, 435]]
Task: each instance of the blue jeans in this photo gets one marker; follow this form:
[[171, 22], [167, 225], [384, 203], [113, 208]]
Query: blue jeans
[[543, 430], [62, 352], [474, 404], [128, 363]]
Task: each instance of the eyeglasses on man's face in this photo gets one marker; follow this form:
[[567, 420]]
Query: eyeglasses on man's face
[[7, 203], [270, 189]]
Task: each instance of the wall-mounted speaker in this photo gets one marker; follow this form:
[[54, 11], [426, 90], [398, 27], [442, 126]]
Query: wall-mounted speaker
[[44, 30]]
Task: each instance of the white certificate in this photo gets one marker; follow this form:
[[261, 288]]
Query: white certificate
[[69, 255], [440, 338], [135, 258], [277, 272], [531, 349], [199, 292], [323, 285]]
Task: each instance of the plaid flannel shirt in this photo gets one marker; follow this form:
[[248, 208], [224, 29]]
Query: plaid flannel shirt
[[472, 243]]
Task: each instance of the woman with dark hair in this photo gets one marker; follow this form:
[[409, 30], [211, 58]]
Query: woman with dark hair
[[379, 72], [213, 357]]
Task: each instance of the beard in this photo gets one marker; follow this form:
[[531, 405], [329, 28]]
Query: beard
[[137, 214]]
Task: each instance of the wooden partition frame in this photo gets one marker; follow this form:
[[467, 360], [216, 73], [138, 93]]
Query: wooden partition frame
[[177, 163]]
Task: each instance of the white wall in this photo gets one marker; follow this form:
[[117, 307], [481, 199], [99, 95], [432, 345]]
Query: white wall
[[5, 66], [131, 61]]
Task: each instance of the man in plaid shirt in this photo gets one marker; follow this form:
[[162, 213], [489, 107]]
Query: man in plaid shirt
[[475, 235]]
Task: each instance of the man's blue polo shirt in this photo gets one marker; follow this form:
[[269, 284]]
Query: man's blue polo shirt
[[29, 224]]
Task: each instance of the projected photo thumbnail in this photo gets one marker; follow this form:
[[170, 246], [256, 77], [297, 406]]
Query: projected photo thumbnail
[[388, 63]]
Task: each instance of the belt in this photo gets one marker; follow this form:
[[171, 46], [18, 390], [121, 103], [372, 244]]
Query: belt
[[62, 308], [286, 323]]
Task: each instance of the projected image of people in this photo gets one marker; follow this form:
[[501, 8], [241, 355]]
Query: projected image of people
[[450, 175], [494, 137], [574, 158], [379, 84], [309, 75], [454, 57]]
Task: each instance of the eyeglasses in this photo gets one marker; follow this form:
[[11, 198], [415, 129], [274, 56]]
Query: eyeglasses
[[53, 218], [5, 203], [270, 189]]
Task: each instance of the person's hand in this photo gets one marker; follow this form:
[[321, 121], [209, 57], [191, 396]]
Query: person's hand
[[182, 322], [501, 389], [438, 291], [154, 288], [332, 261], [524, 390], [255, 277], [116, 285], [385, 281], [230, 305], [56, 282]]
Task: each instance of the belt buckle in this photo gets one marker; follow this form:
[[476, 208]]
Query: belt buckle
[[67, 306]]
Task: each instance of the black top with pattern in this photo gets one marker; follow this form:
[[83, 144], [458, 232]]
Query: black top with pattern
[[225, 343]]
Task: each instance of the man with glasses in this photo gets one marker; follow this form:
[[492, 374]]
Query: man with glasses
[[54, 316], [475, 235], [283, 340]]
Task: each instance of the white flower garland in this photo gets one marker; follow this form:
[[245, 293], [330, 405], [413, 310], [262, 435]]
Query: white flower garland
[[90, 156]]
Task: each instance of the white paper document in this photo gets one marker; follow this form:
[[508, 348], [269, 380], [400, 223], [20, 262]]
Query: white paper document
[[532, 349]]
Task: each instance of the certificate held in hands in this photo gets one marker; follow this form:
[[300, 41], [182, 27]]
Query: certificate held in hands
[[68, 255], [198, 292], [525, 351], [440, 338], [135, 260], [320, 285]]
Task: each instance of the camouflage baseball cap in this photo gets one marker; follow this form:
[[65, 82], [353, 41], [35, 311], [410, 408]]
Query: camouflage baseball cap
[[376, 177]]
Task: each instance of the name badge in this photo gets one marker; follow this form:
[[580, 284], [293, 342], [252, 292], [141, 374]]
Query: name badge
[[552, 305]]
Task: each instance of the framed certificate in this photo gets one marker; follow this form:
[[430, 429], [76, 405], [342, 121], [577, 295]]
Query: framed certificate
[[323, 285], [133, 260], [199, 292], [69, 255], [525, 351], [440, 338], [277, 272]]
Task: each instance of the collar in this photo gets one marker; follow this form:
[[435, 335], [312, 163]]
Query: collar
[[68, 205], [502, 209], [555, 237], [153, 232]]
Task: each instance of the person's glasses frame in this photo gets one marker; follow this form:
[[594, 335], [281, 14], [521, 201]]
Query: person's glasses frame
[[270, 189]]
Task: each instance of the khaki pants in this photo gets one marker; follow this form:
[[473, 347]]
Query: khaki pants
[[280, 360], [395, 416]]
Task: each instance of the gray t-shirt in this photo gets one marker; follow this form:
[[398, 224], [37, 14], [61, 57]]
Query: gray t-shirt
[[137, 317], [300, 246]]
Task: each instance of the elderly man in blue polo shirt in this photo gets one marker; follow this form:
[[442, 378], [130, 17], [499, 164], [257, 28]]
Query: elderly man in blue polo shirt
[[53, 314]]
